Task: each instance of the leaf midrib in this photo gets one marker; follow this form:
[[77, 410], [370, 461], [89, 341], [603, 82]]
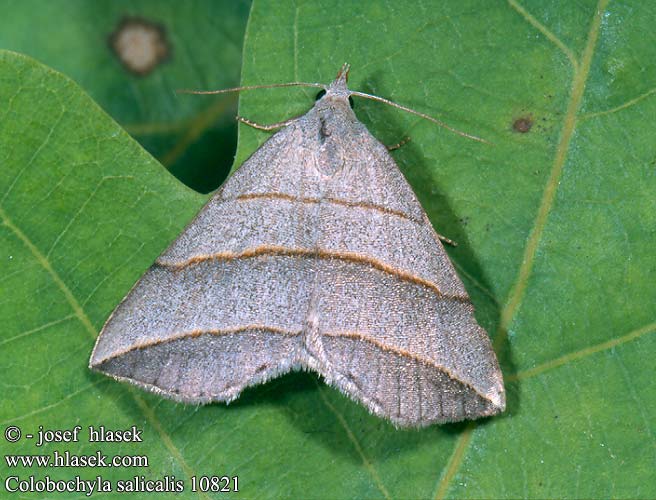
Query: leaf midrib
[[581, 72]]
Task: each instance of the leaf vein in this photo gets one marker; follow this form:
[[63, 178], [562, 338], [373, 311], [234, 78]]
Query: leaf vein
[[627, 104], [72, 220], [68, 396], [583, 353], [84, 319], [356, 444], [549, 194], [34, 156], [546, 32], [517, 292], [37, 329], [453, 466]]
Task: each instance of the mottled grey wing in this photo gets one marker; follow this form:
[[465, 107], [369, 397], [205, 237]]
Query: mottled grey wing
[[215, 313], [315, 253], [406, 352], [397, 327]]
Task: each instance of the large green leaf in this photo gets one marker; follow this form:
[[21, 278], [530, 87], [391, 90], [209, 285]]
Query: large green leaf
[[194, 138], [556, 227]]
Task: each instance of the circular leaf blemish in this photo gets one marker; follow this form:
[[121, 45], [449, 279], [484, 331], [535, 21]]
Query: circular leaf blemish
[[140, 45], [523, 124]]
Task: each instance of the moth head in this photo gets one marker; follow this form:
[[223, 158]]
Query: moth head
[[322, 93], [343, 73], [338, 90]]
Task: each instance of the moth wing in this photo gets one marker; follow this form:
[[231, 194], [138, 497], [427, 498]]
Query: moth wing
[[288, 246], [213, 316], [397, 326]]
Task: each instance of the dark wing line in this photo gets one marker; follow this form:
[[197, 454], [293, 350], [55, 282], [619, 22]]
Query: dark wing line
[[335, 201], [276, 250], [405, 354], [197, 333]]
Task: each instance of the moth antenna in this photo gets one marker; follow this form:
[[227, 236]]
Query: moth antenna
[[251, 87], [422, 115]]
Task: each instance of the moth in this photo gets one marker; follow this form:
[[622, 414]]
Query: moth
[[315, 254]]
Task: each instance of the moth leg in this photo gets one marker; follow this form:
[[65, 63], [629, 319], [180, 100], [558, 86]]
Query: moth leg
[[447, 240], [267, 128], [403, 142]]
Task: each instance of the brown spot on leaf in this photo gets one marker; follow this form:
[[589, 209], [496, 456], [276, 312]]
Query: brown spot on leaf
[[140, 45], [523, 124]]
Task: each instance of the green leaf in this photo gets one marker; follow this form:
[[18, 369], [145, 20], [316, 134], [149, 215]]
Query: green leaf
[[555, 226], [194, 138], [83, 211]]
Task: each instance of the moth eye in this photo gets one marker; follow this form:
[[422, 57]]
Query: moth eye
[[351, 102], [320, 94]]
